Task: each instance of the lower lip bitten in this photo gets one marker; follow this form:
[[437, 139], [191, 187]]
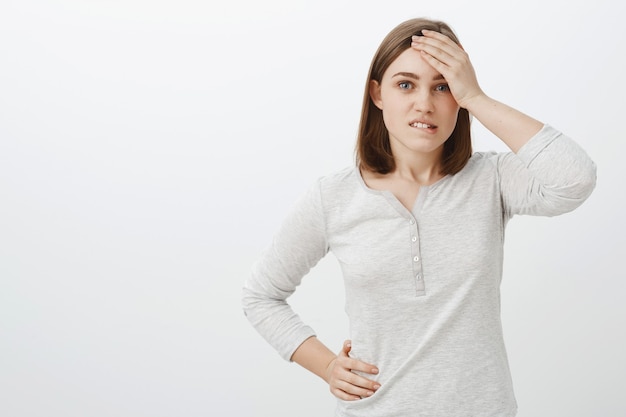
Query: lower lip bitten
[[420, 125]]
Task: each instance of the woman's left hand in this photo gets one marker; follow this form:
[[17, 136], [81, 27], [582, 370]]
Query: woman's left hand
[[444, 55]]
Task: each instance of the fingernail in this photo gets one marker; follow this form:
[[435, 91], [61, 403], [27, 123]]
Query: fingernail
[[369, 393], [374, 370], [376, 386]]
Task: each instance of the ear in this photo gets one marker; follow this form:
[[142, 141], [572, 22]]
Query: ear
[[375, 94]]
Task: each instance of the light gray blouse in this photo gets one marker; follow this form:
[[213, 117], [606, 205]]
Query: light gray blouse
[[422, 286]]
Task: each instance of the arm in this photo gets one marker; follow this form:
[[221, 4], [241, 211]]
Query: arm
[[551, 174], [513, 127], [297, 247]]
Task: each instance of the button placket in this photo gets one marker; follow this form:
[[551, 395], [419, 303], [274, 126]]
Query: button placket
[[416, 258]]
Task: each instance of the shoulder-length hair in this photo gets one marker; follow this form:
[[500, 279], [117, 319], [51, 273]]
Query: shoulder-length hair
[[373, 151]]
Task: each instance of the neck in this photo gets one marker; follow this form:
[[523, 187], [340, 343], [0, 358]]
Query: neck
[[421, 168]]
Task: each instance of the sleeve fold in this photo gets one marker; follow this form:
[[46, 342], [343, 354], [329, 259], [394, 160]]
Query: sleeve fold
[[550, 175]]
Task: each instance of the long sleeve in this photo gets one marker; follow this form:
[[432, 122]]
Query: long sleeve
[[550, 175], [299, 244]]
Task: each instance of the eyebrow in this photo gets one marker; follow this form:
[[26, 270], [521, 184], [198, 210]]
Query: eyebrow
[[415, 76]]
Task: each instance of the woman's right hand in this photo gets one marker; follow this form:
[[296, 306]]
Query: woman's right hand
[[345, 384]]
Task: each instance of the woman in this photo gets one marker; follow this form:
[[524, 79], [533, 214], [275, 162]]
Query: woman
[[418, 229]]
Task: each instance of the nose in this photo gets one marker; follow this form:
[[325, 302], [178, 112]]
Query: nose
[[423, 101]]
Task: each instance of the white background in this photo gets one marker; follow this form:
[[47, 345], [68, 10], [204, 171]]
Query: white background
[[149, 149]]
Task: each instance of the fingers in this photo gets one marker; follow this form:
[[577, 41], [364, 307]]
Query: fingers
[[345, 383], [349, 391], [437, 40], [438, 49]]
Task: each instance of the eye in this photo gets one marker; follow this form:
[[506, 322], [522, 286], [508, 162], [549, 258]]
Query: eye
[[405, 85], [442, 88]]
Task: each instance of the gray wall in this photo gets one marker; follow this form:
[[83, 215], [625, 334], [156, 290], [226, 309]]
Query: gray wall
[[149, 149]]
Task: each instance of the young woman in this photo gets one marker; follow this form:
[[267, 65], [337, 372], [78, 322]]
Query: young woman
[[418, 229]]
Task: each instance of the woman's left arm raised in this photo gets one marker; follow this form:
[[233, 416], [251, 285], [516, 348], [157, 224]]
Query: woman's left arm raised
[[513, 127], [549, 176]]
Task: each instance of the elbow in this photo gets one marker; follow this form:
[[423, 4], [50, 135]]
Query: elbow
[[591, 178], [588, 178], [257, 305], [580, 191], [248, 300], [566, 199], [575, 194]]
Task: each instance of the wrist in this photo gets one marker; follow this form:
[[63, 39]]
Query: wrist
[[474, 102], [328, 370]]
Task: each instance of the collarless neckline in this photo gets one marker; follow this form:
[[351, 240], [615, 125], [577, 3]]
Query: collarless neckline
[[410, 213], [363, 184]]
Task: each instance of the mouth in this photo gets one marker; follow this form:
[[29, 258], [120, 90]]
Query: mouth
[[422, 125]]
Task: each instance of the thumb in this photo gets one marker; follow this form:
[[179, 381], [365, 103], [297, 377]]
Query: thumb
[[347, 346]]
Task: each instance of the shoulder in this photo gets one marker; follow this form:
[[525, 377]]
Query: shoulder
[[345, 174], [486, 167], [483, 161], [338, 181], [336, 188]]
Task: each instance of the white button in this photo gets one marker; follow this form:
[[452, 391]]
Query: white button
[[418, 277], [416, 259], [414, 239], [411, 221]]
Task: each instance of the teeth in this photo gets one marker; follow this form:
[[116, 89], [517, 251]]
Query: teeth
[[421, 125]]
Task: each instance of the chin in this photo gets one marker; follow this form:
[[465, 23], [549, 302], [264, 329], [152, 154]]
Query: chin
[[426, 147]]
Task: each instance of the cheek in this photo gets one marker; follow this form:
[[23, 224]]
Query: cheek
[[452, 110], [452, 113], [393, 107]]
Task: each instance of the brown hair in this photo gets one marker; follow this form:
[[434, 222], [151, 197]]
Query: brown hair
[[373, 151]]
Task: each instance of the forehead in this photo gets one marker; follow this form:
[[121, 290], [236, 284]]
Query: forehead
[[411, 61]]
